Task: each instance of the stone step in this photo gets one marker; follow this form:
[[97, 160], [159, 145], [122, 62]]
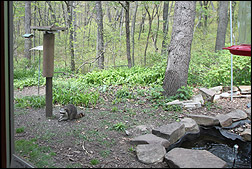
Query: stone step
[[188, 158], [171, 132], [150, 139]]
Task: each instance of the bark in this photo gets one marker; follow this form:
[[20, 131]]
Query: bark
[[141, 27], [180, 47], [222, 25], [150, 23], [156, 34], [100, 42], [133, 32], [165, 27], [127, 20], [28, 41], [71, 30]]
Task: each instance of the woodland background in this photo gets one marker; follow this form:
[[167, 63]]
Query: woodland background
[[150, 27]]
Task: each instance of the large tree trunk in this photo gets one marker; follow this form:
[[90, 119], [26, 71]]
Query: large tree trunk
[[222, 25], [180, 47], [100, 42], [28, 41]]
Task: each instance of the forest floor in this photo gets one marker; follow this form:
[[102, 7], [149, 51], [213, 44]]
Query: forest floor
[[92, 141]]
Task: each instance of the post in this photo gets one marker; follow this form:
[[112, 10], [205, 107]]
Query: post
[[231, 53], [48, 68], [48, 96]]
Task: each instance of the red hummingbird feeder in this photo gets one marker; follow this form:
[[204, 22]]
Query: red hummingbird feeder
[[242, 50]]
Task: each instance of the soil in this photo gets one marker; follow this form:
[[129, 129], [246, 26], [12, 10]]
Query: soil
[[80, 142]]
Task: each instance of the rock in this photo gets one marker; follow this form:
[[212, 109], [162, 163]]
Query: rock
[[198, 98], [228, 88], [142, 127], [217, 89], [150, 139], [216, 97], [246, 134], [224, 120], [150, 153], [188, 158], [204, 120], [248, 111], [237, 115], [171, 132], [175, 102], [191, 105], [190, 125], [207, 94], [245, 89]]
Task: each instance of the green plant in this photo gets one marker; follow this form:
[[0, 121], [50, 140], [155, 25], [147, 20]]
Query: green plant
[[40, 156], [30, 101], [94, 161], [20, 130], [114, 109], [119, 126]]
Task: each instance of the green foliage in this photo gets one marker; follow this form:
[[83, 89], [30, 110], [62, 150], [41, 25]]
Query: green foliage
[[94, 162], [124, 92], [30, 101], [20, 130], [119, 76], [119, 126], [70, 92], [213, 69], [39, 155]]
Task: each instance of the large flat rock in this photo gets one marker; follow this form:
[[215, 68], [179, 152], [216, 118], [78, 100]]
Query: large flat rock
[[171, 132], [150, 139], [150, 153], [225, 120], [190, 125], [204, 120], [237, 115], [188, 158]]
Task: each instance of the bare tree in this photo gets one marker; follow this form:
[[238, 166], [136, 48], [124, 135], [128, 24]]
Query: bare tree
[[126, 6], [28, 41], [100, 43], [222, 25], [165, 27], [71, 29], [133, 32], [176, 73]]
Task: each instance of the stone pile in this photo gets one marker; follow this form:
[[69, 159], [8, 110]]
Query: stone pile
[[212, 95], [151, 148]]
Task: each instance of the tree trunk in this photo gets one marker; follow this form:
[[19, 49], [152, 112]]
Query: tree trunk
[[28, 41], [176, 73], [100, 43], [127, 20], [165, 27], [150, 23], [142, 24], [222, 25], [133, 32], [71, 29]]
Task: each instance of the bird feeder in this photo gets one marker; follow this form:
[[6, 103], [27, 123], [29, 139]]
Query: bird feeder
[[242, 50], [48, 60]]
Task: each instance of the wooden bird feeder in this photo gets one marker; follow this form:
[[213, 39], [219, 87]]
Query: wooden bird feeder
[[48, 60]]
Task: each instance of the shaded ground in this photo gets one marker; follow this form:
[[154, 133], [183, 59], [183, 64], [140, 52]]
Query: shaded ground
[[91, 141]]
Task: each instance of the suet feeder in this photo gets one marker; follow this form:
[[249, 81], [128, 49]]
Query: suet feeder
[[48, 60]]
